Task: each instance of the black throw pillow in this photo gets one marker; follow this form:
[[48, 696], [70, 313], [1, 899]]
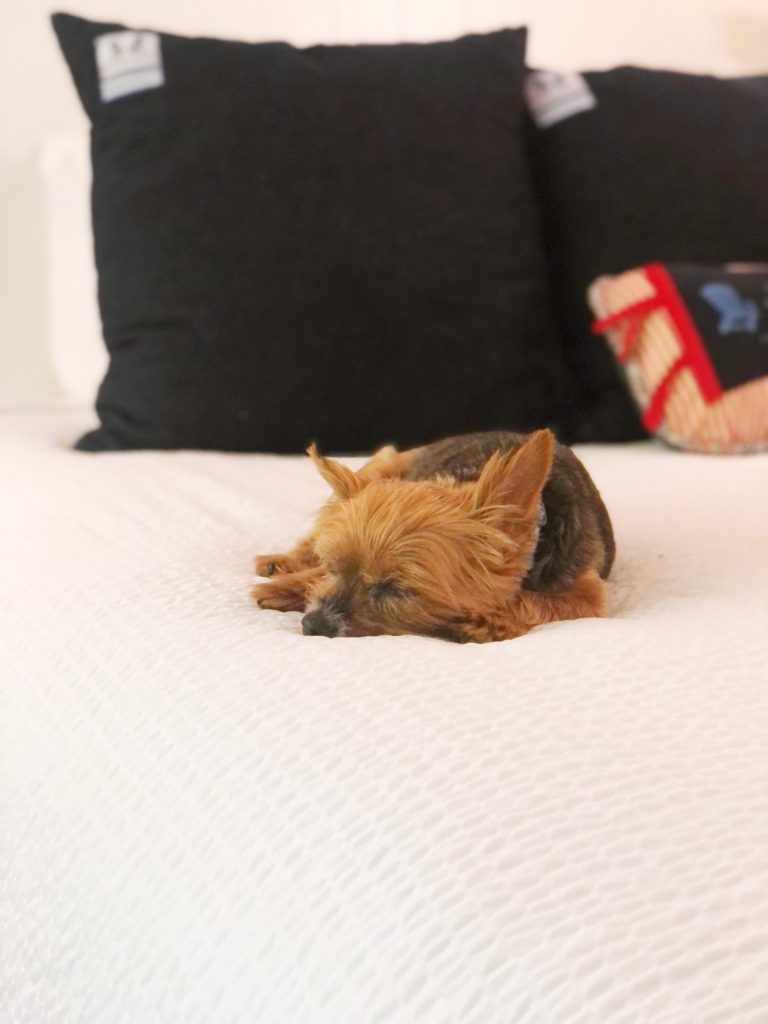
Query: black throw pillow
[[637, 166], [338, 244]]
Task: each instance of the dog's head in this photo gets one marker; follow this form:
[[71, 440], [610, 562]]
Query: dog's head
[[425, 557]]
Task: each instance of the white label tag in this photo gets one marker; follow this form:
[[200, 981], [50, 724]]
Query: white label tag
[[553, 96], [128, 62]]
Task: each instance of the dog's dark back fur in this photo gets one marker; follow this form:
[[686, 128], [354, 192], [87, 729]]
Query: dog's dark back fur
[[577, 533]]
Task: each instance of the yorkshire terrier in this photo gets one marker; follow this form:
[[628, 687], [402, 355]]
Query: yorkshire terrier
[[475, 538]]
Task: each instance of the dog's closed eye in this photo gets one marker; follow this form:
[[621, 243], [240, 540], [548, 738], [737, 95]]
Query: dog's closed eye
[[388, 590]]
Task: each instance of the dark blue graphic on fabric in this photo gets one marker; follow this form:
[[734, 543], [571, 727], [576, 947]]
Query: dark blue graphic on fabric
[[736, 314], [730, 311]]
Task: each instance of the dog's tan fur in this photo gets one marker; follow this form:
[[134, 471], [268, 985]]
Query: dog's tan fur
[[441, 556]]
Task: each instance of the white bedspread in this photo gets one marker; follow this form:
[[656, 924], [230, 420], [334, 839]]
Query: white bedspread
[[209, 818]]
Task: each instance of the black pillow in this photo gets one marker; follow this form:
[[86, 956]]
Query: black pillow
[[637, 166], [337, 244]]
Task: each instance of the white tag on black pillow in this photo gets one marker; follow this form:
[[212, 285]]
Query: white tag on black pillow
[[553, 96], [128, 62]]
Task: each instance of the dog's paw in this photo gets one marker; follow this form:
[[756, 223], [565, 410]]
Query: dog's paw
[[280, 595], [274, 565], [287, 592], [484, 629]]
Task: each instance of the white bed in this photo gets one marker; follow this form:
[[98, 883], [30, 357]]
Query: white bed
[[212, 818]]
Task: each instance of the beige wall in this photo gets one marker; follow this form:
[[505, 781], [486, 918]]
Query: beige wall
[[37, 98]]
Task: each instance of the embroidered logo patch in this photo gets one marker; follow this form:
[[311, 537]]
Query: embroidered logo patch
[[553, 96], [128, 62]]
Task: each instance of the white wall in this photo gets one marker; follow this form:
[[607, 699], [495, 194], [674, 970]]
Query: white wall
[[37, 97]]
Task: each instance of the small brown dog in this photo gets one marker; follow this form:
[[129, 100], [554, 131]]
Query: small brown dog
[[475, 538]]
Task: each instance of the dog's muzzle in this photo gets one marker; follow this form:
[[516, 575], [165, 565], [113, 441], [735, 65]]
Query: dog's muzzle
[[320, 623]]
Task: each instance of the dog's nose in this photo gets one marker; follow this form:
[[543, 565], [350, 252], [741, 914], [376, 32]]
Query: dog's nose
[[316, 624]]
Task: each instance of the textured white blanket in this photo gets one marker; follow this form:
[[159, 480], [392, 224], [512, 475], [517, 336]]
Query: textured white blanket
[[209, 818]]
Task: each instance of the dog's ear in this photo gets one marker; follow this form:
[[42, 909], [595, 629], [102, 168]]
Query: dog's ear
[[516, 478], [343, 481]]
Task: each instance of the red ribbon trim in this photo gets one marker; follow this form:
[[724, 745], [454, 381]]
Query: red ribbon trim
[[694, 354]]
